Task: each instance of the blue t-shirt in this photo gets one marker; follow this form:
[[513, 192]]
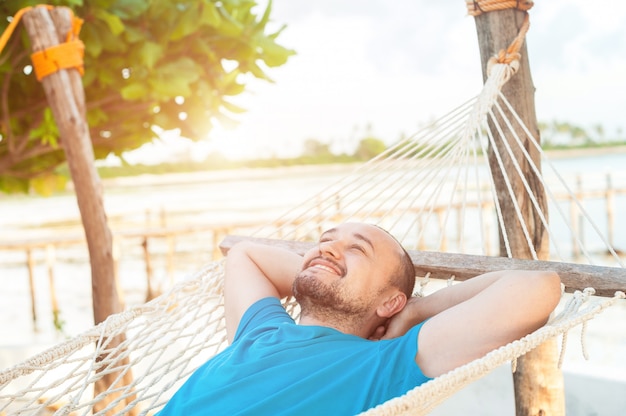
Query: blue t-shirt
[[276, 367]]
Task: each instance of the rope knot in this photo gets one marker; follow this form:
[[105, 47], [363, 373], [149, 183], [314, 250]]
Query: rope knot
[[478, 7]]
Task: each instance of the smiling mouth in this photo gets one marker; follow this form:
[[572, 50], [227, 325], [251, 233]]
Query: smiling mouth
[[327, 265], [328, 269]]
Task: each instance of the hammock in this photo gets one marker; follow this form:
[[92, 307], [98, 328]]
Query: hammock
[[424, 189]]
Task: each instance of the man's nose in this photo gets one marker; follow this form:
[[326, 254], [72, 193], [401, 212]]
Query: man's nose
[[330, 248]]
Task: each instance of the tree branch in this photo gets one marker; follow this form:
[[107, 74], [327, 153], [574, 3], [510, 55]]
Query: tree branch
[[4, 101]]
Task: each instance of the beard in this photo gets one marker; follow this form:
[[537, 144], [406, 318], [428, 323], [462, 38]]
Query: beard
[[328, 302]]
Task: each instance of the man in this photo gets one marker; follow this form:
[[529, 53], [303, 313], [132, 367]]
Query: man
[[362, 339]]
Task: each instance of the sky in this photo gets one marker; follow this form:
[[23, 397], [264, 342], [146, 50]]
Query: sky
[[385, 68]]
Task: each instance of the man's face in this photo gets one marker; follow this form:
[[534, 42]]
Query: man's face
[[348, 271]]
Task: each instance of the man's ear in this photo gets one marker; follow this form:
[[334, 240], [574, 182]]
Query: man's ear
[[394, 304]]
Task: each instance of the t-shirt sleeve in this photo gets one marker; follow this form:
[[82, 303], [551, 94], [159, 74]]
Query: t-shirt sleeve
[[401, 352], [263, 312]]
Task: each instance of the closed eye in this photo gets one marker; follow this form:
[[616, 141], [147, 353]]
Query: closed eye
[[358, 248]]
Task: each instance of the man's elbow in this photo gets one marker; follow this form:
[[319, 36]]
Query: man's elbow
[[239, 248], [549, 290]]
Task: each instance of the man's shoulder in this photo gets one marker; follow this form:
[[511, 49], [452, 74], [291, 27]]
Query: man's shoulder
[[267, 310]]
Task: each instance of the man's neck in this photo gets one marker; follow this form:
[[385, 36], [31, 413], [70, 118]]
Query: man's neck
[[341, 324]]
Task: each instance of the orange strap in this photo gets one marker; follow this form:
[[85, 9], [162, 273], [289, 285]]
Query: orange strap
[[63, 56]]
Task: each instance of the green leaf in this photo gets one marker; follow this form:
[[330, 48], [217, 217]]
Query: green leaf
[[187, 23], [209, 15], [257, 71], [260, 26], [73, 2], [233, 108], [92, 40], [233, 88], [229, 26], [134, 91], [46, 132], [184, 68], [130, 9], [133, 34], [150, 53], [114, 23], [96, 116], [46, 185], [11, 185], [170, 87], [272, 53]]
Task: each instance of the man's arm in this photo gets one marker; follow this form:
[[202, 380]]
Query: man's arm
[[467, 320], [255, 271]]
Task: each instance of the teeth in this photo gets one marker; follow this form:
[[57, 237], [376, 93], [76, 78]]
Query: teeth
[[328, 269]]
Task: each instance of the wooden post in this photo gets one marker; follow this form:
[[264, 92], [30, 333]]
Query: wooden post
[[163, 216], [443, 241], [148, 216], [580, 196], [573, 218], [30, 262], [459, 230], [538, 381], [50, 260], [487, 232], [148, 262], [610, 208], [217, 236], [171, 246], [421, 243], [66, 98]]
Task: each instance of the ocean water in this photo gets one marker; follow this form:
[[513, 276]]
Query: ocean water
[[218, 199]]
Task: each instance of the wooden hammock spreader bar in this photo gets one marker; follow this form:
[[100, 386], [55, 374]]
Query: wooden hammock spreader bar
[[605, 280]]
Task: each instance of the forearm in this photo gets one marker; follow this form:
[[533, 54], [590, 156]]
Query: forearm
[[539, 290], [278, 266], [452, 295], [253, 272]]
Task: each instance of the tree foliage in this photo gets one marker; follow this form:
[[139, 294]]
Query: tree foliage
[[369, 147], [150, 66]]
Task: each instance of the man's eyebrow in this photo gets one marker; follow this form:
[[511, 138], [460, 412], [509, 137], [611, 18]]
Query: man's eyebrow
[[365, 239], [329, 231]]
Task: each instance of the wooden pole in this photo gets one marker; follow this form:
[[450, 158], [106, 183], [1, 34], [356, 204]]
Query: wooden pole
[[538, 381], [31, 283], [605, 280], [50, 260], [171, 247], [580, 196], [66, 98], [610, 209], [148, 262], [573, 214]]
